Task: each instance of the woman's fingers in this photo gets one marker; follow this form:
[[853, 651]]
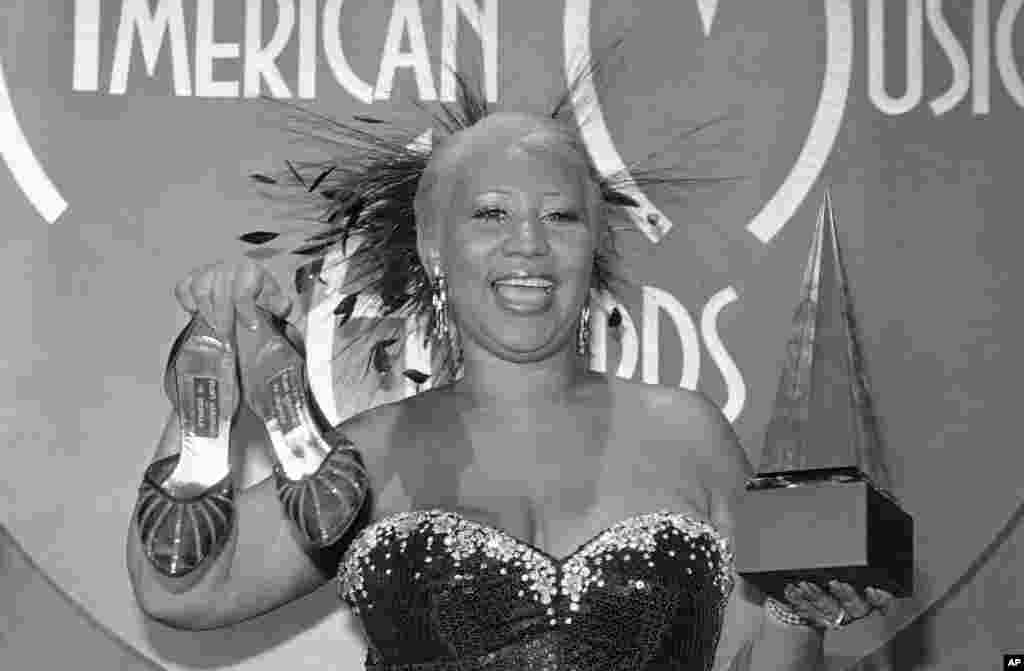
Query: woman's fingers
[[222, 292], [806, 601], [851, 602], [223, 302], [202, 285], [245, 289], [823, 604], [814, 604], [825, 608], [271, 296], [879, 599]]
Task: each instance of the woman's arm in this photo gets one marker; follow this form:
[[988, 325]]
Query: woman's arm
[[257, 556], [261, 566], [750, 638]]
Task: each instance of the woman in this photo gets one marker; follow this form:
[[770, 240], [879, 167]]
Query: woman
[[531, 514]]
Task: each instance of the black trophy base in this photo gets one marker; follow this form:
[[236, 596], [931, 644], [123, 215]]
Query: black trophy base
[[822, 526]]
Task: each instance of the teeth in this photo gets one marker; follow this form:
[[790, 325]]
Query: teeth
[[531, 282]]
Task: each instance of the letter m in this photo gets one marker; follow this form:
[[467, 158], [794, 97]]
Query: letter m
[[166, 17]]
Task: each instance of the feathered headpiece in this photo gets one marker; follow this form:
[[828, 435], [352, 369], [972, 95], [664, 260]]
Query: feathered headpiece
[[367, 194]]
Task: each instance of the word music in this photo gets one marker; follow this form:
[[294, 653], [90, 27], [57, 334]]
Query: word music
[[991, 53], [154, 24]]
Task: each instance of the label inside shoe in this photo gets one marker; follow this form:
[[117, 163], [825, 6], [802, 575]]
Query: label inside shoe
[[206, 406], [286, 397]]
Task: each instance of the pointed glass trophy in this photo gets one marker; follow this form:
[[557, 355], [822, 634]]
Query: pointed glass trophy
[[820, 507]]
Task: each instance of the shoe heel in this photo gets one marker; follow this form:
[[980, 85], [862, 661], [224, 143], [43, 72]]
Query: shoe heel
[[185, 510], [320, 480]]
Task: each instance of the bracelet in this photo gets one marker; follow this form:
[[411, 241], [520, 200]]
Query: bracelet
[[783, 614]]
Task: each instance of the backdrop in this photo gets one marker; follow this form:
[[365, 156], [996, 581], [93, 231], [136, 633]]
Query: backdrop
[[129, 128]]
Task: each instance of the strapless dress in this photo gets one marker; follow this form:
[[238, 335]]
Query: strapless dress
[[438, 592]]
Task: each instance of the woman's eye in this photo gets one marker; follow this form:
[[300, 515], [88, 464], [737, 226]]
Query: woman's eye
[[489, 213], [567, 216]]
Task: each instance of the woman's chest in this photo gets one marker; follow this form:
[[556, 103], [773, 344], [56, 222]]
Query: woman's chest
[[553, 488]]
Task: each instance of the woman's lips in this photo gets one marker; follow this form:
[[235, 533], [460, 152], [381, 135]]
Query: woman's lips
[[524, 294]]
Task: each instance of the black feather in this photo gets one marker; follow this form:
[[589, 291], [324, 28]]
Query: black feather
[[312, 250], [259, 237], [380, 356], [295, 174], [345, 308], [417, 377], [320, 178], [329, 234]]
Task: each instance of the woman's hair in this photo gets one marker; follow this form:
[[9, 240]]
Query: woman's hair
[[383, 183]]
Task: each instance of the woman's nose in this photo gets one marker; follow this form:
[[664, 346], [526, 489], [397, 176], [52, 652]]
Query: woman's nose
[[528, 237]]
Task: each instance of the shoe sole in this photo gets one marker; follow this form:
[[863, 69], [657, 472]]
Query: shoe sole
[[205, 398], [278, 393]]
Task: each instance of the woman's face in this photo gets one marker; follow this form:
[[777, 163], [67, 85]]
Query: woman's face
[[518, 249]]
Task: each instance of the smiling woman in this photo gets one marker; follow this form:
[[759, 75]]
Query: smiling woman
[[516, 521]]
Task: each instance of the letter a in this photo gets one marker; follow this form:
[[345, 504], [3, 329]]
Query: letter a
[[405, 18]]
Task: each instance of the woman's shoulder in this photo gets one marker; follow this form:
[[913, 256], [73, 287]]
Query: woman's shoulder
[[674, 407], [388, 447], [683, 424], [380, 421]]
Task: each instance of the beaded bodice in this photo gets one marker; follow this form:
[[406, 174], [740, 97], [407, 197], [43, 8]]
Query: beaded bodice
[[439, 592]]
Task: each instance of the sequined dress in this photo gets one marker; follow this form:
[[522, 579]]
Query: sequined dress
[[439, 592]]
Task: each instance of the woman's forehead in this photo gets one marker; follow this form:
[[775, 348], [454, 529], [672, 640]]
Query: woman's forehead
[[516, 169]]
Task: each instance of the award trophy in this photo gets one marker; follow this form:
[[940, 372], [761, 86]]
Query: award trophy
[[819, 507]]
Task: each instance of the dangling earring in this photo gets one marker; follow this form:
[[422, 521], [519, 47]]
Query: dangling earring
[[439, 301], [583, 331], [444, 331]]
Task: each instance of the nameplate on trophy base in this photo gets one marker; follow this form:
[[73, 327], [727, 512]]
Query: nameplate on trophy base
[[822, 525]]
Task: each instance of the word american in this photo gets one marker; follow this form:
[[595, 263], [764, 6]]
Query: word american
[[152, 24]]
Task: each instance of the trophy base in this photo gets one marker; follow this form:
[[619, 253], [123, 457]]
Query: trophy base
[[817, 526]]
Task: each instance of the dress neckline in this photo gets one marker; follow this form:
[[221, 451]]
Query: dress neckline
[[695, 523]]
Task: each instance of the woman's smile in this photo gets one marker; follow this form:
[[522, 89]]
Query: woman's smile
[[524, 293]]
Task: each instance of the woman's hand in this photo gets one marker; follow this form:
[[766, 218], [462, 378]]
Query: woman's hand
[[837, 608], [222, 291]]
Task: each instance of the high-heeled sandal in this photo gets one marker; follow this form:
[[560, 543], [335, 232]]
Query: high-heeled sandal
[[186, 510], [321, 481]]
